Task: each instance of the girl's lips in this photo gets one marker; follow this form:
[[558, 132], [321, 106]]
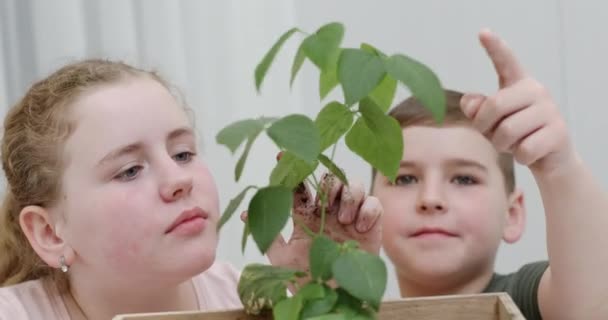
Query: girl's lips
[[193, 219]]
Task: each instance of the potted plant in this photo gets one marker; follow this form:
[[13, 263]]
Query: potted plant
[[344, 282]]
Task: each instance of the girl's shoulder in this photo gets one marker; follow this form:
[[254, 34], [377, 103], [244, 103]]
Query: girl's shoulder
[[34, 299], [217, 287]]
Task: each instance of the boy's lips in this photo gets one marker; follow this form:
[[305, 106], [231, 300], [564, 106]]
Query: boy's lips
[[432, 231], [187, 216]]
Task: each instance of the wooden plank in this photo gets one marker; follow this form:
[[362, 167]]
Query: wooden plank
[[469, 307], [507, 309], [493, 306], [220, 315]]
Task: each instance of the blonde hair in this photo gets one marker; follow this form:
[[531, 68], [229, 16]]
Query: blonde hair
[[35, 130]]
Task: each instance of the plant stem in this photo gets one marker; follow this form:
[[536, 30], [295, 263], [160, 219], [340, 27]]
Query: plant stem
[[323, 202], [304, 227], [314, 182], [333, 151]]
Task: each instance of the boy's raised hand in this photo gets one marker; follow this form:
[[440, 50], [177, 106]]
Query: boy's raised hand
[[521, 118]]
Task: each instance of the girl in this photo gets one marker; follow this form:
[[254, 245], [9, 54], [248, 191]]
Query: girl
[[109, 209]]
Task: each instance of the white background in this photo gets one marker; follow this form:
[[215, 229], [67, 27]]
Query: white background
[[209, 50]]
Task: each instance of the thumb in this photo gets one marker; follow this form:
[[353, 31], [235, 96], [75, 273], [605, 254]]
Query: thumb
[[276, 250], [470, 104]]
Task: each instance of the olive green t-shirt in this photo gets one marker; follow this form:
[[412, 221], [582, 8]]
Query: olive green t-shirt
[[522, 286]]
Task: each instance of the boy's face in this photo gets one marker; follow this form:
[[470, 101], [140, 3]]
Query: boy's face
[[132, 171], [448, 209]]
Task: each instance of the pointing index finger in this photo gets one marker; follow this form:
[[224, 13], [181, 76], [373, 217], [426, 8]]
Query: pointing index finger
[[507, 67]]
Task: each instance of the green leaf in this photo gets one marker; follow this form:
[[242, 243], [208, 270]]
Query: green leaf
[[245, 236], [232, 206], [373, 50], [333, 168], [238, 170], [298, 60], [268, 212], [421, 81], [291, 170], [349, 245], [288, 309], [359, 73], [262, 286], [323, 253], [352, 307], [384, 93], [362, 274], [262, 67], [312, 291], [321, 46], [328, 78], [333, 121], [332, 316], [233, 135], [319, 306], [327, 82], [377, 138], [298, 134]]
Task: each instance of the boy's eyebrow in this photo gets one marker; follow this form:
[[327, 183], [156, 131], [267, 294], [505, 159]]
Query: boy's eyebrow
[[456, 162], [460, 162], [120, 152], [407, 164]]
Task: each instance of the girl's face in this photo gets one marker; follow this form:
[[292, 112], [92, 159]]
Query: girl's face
[[139, 203]]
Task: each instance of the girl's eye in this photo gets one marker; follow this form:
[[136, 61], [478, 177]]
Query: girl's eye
[[129, 174], [405, 179], [464, 180], [185, 156]]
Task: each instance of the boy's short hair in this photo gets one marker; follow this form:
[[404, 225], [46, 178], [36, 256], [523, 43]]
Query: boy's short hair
[[411, 112]]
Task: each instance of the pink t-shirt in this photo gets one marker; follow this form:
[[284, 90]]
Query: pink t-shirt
[[38, 299]]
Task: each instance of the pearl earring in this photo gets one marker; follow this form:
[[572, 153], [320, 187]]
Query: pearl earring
[[64, 266]]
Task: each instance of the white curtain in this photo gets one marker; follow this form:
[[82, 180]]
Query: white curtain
[[209, 50]]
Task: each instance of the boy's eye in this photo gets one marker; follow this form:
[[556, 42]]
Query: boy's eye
[[405, 180], [464, 180], [183, 156], [129, 174]]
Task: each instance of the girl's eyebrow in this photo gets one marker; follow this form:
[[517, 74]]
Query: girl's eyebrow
[[120, 152], [179, 132], [137, 147]]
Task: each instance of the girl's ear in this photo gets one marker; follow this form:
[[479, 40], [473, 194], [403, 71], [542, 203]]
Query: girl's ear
[[40, 231]]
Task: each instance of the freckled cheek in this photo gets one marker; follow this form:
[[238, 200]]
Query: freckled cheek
[[133, 232], [205, 191]]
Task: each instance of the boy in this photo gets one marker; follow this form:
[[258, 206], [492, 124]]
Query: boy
[[454, 199]]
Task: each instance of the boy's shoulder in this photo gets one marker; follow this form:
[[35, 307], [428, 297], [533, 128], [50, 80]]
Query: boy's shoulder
[[522, 286]]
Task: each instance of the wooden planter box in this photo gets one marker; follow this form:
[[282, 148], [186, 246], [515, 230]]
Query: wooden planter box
[[494, 306]]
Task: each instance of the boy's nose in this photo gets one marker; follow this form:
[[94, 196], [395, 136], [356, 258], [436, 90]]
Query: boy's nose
[[430, 207], [430, 201]]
